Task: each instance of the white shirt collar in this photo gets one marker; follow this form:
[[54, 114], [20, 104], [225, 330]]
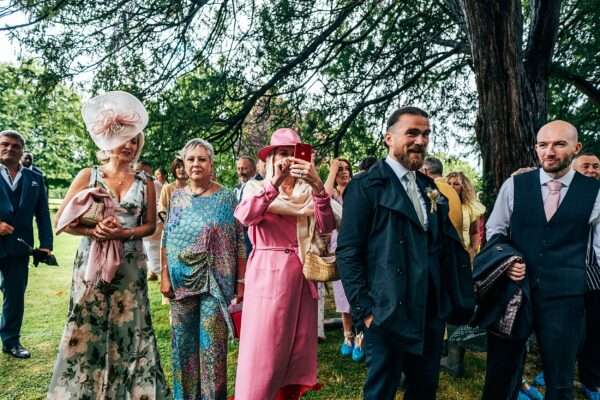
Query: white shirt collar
[[399, 169], [565, 179], [12, 182]]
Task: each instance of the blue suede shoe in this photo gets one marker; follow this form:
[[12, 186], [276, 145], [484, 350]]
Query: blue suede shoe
[[539, 380], [358, 354], [346, 349], [522, 396], [532, 393], [590, 394]]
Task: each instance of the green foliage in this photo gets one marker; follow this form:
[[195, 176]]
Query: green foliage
[[453, 164], [184, 112], [231, 72], [50, 121], [578, 54], [337, 68]]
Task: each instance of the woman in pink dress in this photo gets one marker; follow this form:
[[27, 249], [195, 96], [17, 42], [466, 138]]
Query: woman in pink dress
[[278, 342], [340, 174]]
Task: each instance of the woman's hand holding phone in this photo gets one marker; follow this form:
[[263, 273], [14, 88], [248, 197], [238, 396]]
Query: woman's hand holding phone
[[307, 171], [281, 170]]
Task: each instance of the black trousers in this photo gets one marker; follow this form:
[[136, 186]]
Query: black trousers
[[558, 326], [386, 360], [14, 272], [589, 359]]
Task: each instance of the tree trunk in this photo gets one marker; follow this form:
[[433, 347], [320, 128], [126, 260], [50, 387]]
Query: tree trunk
[[512, 91]]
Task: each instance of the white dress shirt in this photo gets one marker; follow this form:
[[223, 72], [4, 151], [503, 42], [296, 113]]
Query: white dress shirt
[[12, 182], [400, 171], [499, 220]]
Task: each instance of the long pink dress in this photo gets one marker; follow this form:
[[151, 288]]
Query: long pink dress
[[278, 341]]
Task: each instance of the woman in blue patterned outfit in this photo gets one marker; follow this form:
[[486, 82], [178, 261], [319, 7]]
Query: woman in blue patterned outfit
[[203, 272]]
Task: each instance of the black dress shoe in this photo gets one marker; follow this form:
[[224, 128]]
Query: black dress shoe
[[17, 351]]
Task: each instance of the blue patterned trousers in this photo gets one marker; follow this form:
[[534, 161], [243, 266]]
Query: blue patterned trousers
[[199, 339]]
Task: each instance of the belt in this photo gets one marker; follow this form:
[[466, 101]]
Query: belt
[[312, 286], [288, 249]]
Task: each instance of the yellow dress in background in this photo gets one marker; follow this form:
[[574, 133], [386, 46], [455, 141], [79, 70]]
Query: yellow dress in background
[[470, 213], [455, 211]]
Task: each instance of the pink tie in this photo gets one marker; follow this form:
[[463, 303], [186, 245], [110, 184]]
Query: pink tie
[[551, 203]]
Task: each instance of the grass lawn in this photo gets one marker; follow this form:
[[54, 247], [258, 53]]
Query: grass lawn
[[45, 314]]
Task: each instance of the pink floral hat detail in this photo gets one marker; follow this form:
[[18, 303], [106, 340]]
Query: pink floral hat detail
[[281, 137], [114, 118]]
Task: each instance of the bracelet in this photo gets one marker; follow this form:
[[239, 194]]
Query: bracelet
[[240, 281], [132, 236]]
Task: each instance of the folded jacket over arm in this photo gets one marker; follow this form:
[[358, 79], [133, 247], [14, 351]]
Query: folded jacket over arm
[[504, 305]]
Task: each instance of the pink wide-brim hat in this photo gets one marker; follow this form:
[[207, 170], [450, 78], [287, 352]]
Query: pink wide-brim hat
[[281, 137], [114, 118]]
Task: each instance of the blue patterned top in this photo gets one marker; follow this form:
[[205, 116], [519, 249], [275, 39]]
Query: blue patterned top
[[204, 244]]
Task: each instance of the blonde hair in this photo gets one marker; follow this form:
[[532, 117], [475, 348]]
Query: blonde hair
[[467, 194]]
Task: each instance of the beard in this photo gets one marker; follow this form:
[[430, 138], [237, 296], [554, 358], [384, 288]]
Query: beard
[[566, 163], [412, 159]]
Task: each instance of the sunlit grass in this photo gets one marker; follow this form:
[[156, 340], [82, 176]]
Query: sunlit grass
[[46, 307]]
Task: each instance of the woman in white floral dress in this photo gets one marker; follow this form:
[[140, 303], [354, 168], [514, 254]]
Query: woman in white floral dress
[[108, 349]]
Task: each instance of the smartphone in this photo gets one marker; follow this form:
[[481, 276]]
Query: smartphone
[[303, 151]]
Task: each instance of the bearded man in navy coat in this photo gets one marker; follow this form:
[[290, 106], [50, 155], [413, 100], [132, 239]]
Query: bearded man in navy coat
[[402, 264]]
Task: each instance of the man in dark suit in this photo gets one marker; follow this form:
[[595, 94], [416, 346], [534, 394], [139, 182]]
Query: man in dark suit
[[402, 264], [27, 162], [588, 164], [546, 214], [245, 168], [22, 196]]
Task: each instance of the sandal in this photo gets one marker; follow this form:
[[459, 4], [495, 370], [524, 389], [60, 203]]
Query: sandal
[[531, 392], [358, 354]]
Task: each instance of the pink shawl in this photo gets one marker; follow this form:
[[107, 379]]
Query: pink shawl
[[105, 255]]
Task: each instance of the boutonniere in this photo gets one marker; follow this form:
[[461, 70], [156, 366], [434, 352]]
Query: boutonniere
[[433, 195]]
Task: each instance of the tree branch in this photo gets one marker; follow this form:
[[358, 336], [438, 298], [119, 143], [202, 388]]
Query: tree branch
[[235, 122], [542, 38], [583, 85], [386, 97]]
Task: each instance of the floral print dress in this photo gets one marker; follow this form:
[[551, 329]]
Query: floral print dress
[[108, 349]]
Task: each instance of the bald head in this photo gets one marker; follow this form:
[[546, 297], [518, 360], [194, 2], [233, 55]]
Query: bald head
[[561, 128], [556, 146]]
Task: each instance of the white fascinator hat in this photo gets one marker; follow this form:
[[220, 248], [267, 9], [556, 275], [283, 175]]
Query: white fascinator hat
[[114, 118]]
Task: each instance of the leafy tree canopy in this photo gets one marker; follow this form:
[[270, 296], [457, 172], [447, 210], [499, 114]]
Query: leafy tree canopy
[[336, 67], [49, 121]]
